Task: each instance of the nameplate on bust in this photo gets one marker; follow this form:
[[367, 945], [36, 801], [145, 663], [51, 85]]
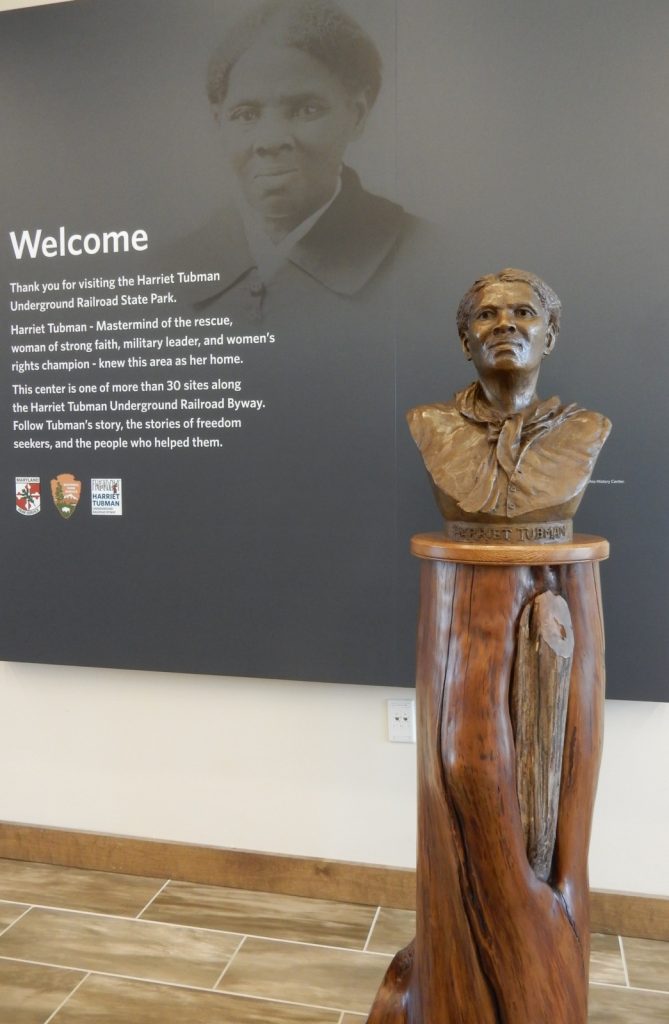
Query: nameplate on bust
[[509, 533]]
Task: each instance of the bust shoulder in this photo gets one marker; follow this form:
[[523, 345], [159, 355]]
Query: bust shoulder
[[591, 428], [441, 428], [437, 417]]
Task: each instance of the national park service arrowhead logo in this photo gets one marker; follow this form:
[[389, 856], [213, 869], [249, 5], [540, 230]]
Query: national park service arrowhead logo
[[27, 495], [66, 491]]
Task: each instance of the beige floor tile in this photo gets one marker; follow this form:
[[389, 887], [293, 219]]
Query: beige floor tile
[[393, 930], [258, 913], [139, 949], [315, 975], [627, 1006], [29, 994], [606, 960], [647, 963], [97, 891], [116, 1001], [354, 1018], [10, 912]]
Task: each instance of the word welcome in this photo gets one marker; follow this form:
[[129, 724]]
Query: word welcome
[[36, 243]]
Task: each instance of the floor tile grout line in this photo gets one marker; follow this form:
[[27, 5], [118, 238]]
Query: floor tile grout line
[[631, 988], [371, 929], [311, 945], [67, 998], [127, 918], [181, 985], [136, 920], [624, 960], [198, 928], [47, 963], [286, 1002], [19, 918], [223, 972], [155, 896], [107, 974], [106, 914]]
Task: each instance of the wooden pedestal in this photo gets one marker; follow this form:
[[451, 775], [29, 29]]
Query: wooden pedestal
[[509, 741]]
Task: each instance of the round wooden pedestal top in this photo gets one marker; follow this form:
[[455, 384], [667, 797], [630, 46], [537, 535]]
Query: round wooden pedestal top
[[583, 548]]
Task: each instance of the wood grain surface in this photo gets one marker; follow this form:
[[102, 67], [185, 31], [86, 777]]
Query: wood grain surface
[[539, 693], [494, 943], [584, 548]]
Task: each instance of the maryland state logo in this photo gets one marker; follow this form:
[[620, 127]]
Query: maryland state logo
[[66, 491], [28, 499]]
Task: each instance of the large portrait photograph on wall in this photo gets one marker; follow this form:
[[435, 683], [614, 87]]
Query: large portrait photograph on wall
[[234, 241]]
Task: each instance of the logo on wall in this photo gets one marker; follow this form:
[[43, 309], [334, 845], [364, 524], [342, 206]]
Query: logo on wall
[[28, 498], [66, 491], [106, 496]]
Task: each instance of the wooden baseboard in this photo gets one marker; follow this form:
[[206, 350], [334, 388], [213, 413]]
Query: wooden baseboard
[[615, 913], [210, 865], [628, 913]]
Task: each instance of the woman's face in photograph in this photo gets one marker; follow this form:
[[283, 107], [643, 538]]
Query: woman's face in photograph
[[286, 122]]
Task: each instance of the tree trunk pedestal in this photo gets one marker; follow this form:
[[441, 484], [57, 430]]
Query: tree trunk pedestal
[[510, 694]]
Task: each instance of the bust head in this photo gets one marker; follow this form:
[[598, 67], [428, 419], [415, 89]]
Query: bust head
[[543, 292], [508, 323]]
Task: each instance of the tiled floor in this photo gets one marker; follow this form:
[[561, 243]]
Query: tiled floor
[[85, 947]]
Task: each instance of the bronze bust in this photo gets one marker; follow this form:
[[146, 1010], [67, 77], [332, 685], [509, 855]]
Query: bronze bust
[[505, 465]]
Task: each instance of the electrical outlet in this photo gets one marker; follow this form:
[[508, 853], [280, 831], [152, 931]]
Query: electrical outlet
[[402, 721]]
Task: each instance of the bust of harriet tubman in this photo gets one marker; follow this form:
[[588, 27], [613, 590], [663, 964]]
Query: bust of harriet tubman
[[498, 454]]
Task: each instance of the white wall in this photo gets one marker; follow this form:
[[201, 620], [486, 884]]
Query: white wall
[[630, 841], [276, 766], [10, 5]]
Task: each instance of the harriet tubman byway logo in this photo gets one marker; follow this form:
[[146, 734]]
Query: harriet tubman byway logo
[[66, 491], [27, 495], [106, 496]]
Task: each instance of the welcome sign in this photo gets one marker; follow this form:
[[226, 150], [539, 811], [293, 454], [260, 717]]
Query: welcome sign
[[231, 261]]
